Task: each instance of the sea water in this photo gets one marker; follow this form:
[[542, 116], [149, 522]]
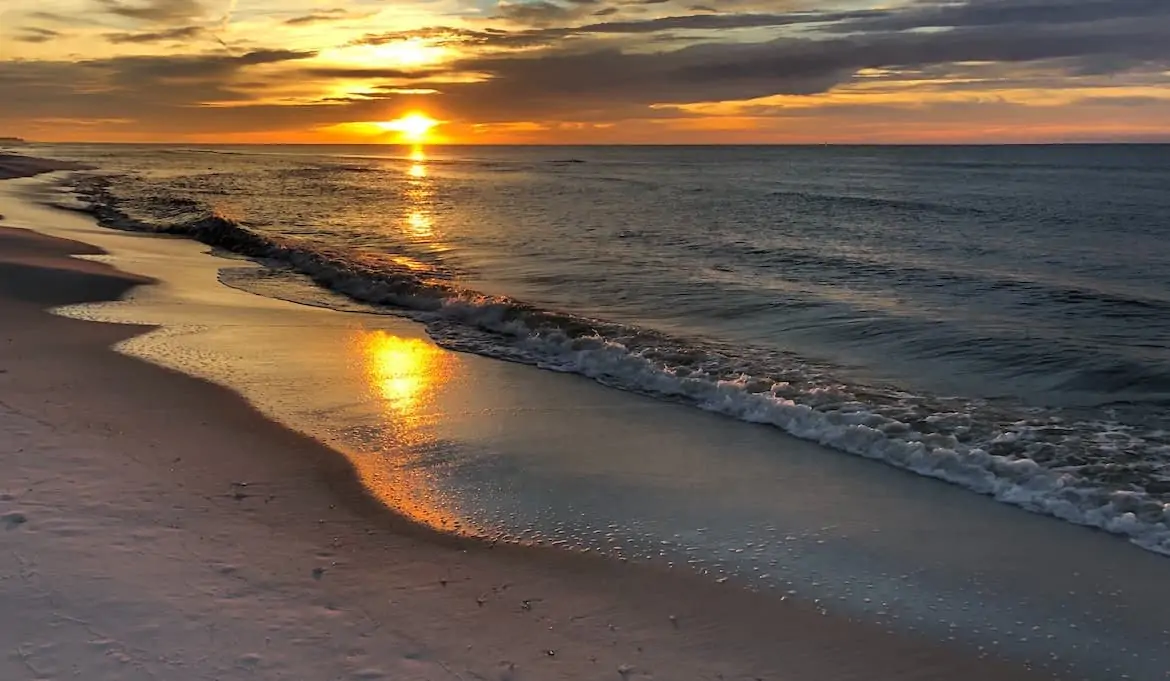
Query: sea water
[[996, 317]]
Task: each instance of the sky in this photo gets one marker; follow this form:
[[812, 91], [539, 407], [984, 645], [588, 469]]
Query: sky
[[586, 71]]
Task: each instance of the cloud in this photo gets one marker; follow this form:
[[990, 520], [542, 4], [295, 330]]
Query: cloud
[[544, 12], [646, 60], [155, 11], [168, 93], [549, 36], [48, 16], [362, 72], [988, 13], [167, 35], [32, 34], [147, 70], [323, 16], [719, 22], [1134, 101], [487, 38], [554, 82]]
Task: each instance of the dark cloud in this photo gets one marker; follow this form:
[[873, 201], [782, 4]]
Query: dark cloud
[[545, 12], [157, 11], [585, 83], [152, 69], [156, 93], [719, 22], [323, 16], [789, 58], [1007, 13], [168, 35], [553, 83], [556, 19], [116, 87], [32, 34]]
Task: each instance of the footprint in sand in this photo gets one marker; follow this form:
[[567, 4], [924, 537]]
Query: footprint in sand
[[13, 519]]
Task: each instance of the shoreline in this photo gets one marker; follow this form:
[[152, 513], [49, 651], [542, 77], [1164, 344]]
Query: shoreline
[[14, 166], [191, 444], [984, 449]]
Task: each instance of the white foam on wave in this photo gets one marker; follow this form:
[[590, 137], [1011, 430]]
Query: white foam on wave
[[855, 429]]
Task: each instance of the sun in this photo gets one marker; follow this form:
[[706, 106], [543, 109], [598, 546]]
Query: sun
[[413, 127]]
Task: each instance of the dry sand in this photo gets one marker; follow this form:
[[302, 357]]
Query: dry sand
[[157, 527]]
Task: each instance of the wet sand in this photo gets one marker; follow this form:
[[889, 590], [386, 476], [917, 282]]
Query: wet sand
[[179, 501], [15, 165]]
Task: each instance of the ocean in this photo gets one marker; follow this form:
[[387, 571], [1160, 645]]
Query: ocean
[[996, 317]]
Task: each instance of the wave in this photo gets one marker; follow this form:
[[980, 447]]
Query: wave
[[845, 202], [1099, 473], [200, 150], [858, 268]]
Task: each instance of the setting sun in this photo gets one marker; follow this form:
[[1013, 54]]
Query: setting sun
[[413, 127]]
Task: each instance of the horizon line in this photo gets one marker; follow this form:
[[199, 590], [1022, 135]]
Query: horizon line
[[18, 142]]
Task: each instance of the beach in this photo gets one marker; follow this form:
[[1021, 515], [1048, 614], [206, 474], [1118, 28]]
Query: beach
[[164, 519], [537, 340]]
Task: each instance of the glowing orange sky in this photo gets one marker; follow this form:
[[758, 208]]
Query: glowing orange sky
[[569, 72]]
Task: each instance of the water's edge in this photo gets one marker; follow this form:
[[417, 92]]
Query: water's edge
[[1034, 459]]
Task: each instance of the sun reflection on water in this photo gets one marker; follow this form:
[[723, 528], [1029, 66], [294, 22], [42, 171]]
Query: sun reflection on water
[[404, 376], [418, 194], [418, 166], [404, 372], [420, 224]]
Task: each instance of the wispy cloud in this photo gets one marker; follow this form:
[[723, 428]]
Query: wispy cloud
[[182, 33], [325, 16], [157, 11], [34, 34]]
